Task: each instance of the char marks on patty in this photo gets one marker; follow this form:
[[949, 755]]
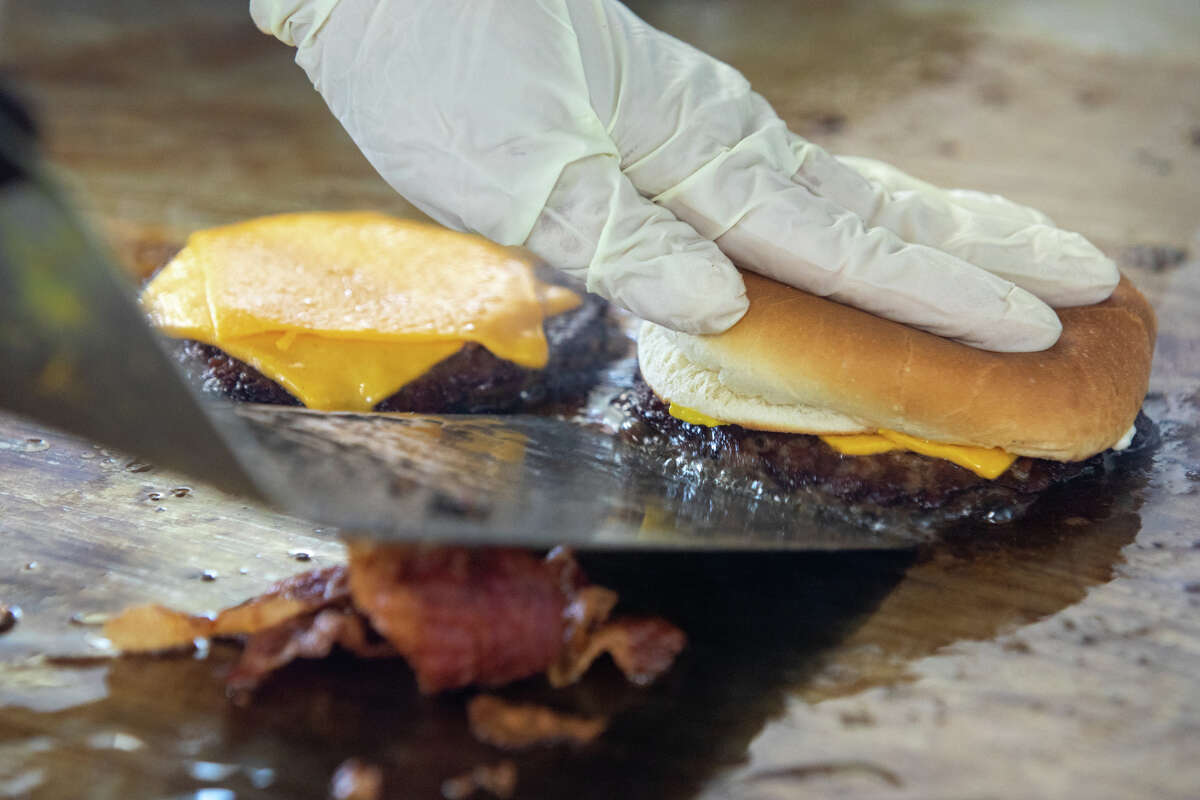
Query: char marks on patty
[[472, 381]]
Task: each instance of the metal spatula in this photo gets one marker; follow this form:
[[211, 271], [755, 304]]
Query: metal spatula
[[77, 354]]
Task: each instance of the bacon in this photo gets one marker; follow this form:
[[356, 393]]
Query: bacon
[[457, 615], [460, 615], [309, 636], [151, 628], [513, 726], [290, 597], [642, 648]]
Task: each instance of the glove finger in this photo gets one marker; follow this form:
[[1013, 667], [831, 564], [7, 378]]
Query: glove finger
[[292, 22], [597, 228], [1060, 267], [668, 107], [788, 233], [894, 180], [808, 242]]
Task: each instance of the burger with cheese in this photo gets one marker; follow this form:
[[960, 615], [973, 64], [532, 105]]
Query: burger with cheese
[[355, 311], [806, 393]]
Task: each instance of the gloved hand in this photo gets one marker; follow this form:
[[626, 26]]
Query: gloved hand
[[641, 166]]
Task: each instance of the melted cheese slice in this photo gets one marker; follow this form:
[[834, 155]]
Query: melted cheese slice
[[693, 416], [986, 462], [343, 309]]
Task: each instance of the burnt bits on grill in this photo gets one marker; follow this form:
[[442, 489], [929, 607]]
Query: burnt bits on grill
[[896, 480], [472, 381]]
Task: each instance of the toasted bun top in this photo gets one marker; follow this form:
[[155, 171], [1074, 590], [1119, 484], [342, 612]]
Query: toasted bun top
[[800, 363]]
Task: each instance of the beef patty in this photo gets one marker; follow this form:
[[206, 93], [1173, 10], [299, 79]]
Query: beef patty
[[868, 484], [472, 381]]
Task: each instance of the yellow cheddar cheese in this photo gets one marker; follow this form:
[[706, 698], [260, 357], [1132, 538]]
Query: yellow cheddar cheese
[[342, 309], [693, 416], [986, 462], [860, 444]]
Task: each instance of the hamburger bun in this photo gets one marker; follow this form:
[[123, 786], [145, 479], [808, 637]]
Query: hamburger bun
[[798, 363]]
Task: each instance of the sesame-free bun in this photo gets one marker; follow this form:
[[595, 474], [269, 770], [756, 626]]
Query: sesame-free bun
[[799, 363]]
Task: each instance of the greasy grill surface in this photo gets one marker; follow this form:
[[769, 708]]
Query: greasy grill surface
[[864, 484], [472, 381]]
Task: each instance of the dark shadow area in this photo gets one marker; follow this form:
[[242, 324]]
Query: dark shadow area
[[757, 626]]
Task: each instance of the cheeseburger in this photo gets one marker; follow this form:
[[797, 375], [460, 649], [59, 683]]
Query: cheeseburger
[[807, 393], [358, 311]]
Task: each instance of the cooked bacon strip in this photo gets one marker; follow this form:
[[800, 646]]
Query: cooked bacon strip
[[512, 726], [288, 598], [309, 636], [151, 628], [460, 615], [642, 648], [586, 612]]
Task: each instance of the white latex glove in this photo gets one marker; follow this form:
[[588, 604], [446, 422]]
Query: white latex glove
[[641, 166]]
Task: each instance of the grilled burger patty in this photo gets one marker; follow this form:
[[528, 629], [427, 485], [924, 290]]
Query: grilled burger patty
[[472, 381], [897, 479]]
